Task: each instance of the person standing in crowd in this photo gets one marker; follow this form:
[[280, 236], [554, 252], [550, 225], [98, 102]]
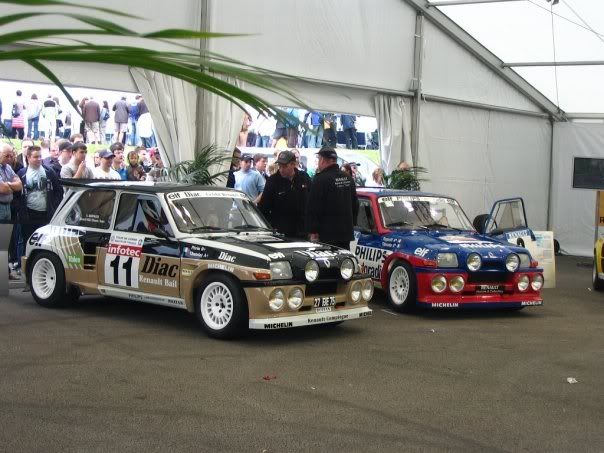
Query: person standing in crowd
[[158, 171], [18, 116], [314, 133], [34, 108], [41, 194], [59, 125], [49, 114], [132, 119], [9, 182], [120, 118], [332, 204], [260, 162], [134, 170], [264, 125], [144, 125], [350, 131], [52, 161], [82, 128], [21, 158], [143, 158], [285, 197], [235, 164], [77, 168], [357, 177], [243, 133], [299, 163], [280, 129], [118, 161], [45, 148], [76, 138], [291, 127], [103, 121], [249, 181], [96, 159], [330, 122], [67, 123], [377, 178], [92, 116], [104, 170]]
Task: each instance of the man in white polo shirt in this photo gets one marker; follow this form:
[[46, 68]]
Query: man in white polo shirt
[[104, 170]]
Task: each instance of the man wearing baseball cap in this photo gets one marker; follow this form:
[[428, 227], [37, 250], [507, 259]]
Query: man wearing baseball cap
[[332, 205], [104, 170], [285, 196], [248, 180]]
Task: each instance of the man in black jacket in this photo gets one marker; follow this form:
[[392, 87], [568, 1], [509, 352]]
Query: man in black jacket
[[332, 204], [285, 195]]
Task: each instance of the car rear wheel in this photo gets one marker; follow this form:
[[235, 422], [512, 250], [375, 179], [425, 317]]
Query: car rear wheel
[[221, 307], [598, 283], [47, 280], [402, 287]]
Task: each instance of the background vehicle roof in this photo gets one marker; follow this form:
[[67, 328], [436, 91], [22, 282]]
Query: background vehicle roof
[[383, 192], [143, 187]]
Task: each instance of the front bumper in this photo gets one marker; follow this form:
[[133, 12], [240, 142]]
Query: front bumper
[[311, 319]]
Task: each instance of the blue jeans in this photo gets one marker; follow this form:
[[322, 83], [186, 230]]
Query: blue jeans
[[315, 136], [149, 142], [262, 141], [132, 138], [32, 127]]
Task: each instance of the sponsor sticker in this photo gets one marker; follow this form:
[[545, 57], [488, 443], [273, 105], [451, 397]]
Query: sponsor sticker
[[221, 266], [528, 303], [174, 196], [74, 259], [444, 305], [276, 256]]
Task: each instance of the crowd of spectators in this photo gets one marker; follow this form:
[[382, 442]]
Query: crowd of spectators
[[30, 180], [127, 121]]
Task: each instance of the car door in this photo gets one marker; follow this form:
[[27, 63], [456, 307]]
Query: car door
[[141, 258], [507, 221]]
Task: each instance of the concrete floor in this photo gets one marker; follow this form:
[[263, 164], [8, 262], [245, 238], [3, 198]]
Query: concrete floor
[[109, 375]]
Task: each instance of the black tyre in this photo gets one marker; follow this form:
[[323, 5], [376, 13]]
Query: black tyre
[[597, 282], [221, 307], [47, 281], [402, 287], [479, 222]]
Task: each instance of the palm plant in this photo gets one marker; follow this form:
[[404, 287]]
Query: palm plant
[[405, 179], [204, 69], [196, 171]]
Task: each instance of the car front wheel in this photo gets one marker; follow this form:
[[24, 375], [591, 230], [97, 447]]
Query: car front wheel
[[598, 283], [47, 280], [402, 287], [221, 307]]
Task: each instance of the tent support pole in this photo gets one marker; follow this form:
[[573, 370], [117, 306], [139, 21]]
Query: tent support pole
[[549, 225], [417, 85]]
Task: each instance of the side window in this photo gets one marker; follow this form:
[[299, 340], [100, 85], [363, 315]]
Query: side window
[[141, 214], [93, 209], [508, 215], [365, 217]]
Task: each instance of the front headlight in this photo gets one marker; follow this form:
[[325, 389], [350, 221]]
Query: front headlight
[[295, 299], [474, 262], [276, 299], [281, 270], [525, 260], [523, 283], [355, 292], [537, 282], [347, 269], [311, 271], [367, 291], [457, 284], [447, 260], [439, 284], [512, 262]]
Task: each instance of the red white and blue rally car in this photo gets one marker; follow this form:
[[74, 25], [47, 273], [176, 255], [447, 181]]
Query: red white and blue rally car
[[424, 252]]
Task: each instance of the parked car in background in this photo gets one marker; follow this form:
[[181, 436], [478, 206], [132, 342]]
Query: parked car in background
[[598, 268], [423, 251]]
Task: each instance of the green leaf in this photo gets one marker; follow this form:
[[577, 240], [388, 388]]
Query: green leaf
[[39, 3], [179, 33]]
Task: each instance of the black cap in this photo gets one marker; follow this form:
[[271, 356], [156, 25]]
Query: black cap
[[285, 157], [79, 145], [247, 157], [65, 146], [328, 152], [105, 154]]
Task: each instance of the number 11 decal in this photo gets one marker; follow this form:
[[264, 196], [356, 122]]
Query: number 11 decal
[[119, 269]]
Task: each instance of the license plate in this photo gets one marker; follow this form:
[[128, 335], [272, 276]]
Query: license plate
[[490, 289], [328, 301], [323, 309]]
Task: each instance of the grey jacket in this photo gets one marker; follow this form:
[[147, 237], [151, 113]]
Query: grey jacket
[[121, 110]]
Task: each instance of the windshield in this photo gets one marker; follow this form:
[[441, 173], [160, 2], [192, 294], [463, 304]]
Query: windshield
[[411, 212], [206, 211]]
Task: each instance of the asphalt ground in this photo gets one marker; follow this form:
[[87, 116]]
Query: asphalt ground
[[108, 375]]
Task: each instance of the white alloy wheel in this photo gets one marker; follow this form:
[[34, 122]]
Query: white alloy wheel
[[217, 305], [399, 285], [43, 278]]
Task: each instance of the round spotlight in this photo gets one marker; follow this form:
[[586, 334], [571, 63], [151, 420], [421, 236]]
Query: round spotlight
[[355, 292], [523, 283], [537, 282], [367, 291], [311, 271], [439, 284], [457, 284], [276, 300], [295, 298], [474, 262]]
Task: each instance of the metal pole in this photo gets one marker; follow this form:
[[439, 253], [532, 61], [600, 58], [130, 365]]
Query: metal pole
[[417, 79], [554, 63], [470, 2]]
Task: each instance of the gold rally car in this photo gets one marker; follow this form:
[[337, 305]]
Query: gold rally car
[[204, 250], [598, 269]]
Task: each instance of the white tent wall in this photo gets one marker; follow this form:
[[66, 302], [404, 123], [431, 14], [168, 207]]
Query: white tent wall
[[479, 156], [573, 210], [452, 72]]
